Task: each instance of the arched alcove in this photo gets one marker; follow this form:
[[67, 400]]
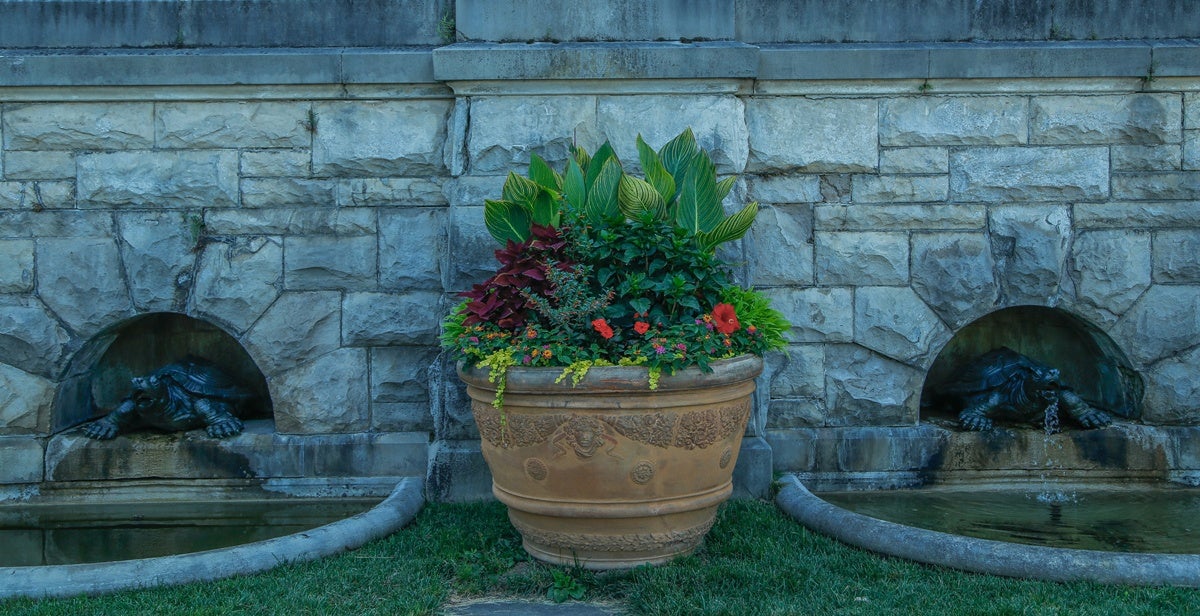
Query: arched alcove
[[1090, 362], [98, 376]]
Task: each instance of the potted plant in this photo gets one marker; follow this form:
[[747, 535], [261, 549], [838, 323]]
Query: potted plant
[[610, 360]]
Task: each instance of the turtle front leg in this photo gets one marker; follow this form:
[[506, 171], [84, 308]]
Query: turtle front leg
[[974, 415], [109, 426], [1081, 411], [218, 418]]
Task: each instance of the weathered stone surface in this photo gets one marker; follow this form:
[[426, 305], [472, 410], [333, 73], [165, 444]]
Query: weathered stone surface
[[21, 460], [1144, 215], [36, 195], [899, 188], [816, 314], [866, 389], [1150, 186], [275, 163], [472, 249], [914, 160], [452, 417], [25, 401], [291, 221], [818, 136], [232, 125], [16, 266], [30, 337], [1191, 110], [1164, 321], [1112, 269], [175, 178], [41, 165], [1191, 150], [79, 279], [716, 122], [1172, 390], [790, 413], [157, 250], [56, 223], [380, 319], [297, 328], [379, 139], [1177, 257], [325, 395], [289, 192], [799, 372], [412, 248], [1080, 120], [862, 258], [953, 120], [330, 262], [895, 322], [782, 189], [505, 130], [898, 217], [237, 280], [390, 191], [472, 190], [1146, 157], [782, 253], [79, 126], [400, 388], [1029, 174], [1029, 247], [955, 275]]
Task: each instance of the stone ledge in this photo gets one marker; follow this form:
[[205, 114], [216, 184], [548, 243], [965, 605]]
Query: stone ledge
[[492, 61]]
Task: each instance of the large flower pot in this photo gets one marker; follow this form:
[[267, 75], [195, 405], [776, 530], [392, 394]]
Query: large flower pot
[[609, 473]]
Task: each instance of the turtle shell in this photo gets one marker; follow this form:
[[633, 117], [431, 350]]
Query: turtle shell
[[203, 378], [989, 371]]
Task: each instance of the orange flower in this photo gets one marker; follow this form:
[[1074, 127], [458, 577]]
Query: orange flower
[[641, 327], [600, 325], [726, 318]]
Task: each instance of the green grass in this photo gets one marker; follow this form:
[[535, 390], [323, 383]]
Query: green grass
[[755, 561]]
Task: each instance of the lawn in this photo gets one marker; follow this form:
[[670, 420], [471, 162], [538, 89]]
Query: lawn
[[755, 561]]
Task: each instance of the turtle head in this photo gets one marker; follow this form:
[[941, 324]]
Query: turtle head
[[146, 390], [1046, 383]]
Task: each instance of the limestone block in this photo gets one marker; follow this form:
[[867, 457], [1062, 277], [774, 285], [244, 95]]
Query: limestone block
[[781, 189], [30, 336], [452, 417], [894, 322], [291, 221], [37, 195], [412, 248], [379, 319], [1151, 186], [781, 248], [1191, 150], [897, 217], [953, 120], [471, 190], [862, 258], [472, 249], [954, 274], [914, 160], [1191, 110], [1029, 246], [16, 266], [275, 163], [40, 165], [79, 279], [716, 121], [379, 138], [288, 192], [1164, 321], [812, 135], [866, 389], [899, 188], [400, 388], [1080, 120], [237, 280], [505, 130], [1172, 390], [1144, 215], [157, 250], [799, 372], [793, 449], [25, 401], [816, 314], [1147, 157], [296, 329], [390, 191], [327, 394], [21, 460], [790, 413], [1029, 174], [330, 262], [1111, 269], [1177, 257], [161, 179], [79, 126], [254, 124]]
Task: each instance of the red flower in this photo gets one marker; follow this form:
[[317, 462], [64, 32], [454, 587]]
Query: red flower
[[601, 326], [725, 318], [641, 327]]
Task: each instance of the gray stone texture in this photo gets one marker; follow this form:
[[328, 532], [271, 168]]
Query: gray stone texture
[[22, 459], [1112, 270], [412, 248], [1029, 174], [400, 388], [472, 249], [330, 262], [505, 131], [390, 191], [781, 251], [161, 179], [1172, 390], [717, 121], [37, 196], [1145, 119], [1030, 250], [381, 319], [955, 274], [236, 281], [1164, 321], [1148, 157], [898, 217], [1176, 257], [158, 251], [80, 280], [1191, 150], [914, 160], [275, 163], [816, 136], [894, 322], [25, 401], [327, 394], [784, 189], [862, 258], [232, 124], [288, 192], [899, 188], [297, 328], [1151, 186], [39, 165], [16, 266], [379, 139], [31, 338], [866, 389], [953, 120], [79, 126], [816, 314], [290, 221]]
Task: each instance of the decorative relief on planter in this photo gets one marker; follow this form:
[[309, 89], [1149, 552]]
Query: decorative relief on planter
[[629, 542]]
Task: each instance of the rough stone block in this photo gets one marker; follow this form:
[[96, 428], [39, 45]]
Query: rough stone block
[[504, 131], [784, 189], [1147, 157], [1143, 215], [275, 163], [325, 395], [232, 125], [400, 388], [1151, 186], [1146, 119], [25, 401], [1172, 390], [816, 314], [914, 160], [816, 136], [452, 415], [793, 449], [161, 179], [472, 250], [867, 389], [56, 223], [79, 280], [412, 248], [954, 274], [953, 120], [330, 262], [379, 139], [37, 195], [42, 165], [716, 122], [754, 471], [862, 258], [21, 460], [895, 322], [298, 327], [1029, 174], [1191, 150], [291, 221], [797, 373], [899, 188], [16, 266], [897, 217], [379, 319], [30, 336], [79, 126], [1191, 110], [157, 250], [288, 192], [458, 473], [237, 281], [797, 412], [1176, 257], [390, 191], [1029, 248], [782, 253], [1163, 322], [1112, 270]]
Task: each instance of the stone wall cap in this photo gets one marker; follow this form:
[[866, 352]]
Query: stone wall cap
[[621, 60]]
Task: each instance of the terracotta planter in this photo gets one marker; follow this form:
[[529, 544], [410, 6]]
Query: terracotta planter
[[609, 473]]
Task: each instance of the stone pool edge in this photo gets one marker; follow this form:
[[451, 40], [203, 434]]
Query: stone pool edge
[[984, 555], [396, 511]]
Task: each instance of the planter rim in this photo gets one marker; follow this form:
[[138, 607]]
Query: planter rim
[[601, 379]]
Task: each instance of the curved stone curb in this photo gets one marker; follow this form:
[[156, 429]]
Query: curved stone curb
[[982, 555], [96, 578]]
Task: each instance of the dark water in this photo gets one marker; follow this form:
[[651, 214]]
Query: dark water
[[1159, 520], [43, 534]]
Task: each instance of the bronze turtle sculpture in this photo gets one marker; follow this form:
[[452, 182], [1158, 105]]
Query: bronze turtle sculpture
[[1004, 384], [184, 395]]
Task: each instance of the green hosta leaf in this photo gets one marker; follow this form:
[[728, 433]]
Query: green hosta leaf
[[699, 209], [546, 209], [677, 154], [656, 174], [580, 156], [520, 190], [724, 186], [730, 229], [506, 220], [597, 164], [640, 305], [639, 200], [574, 188], [602, 196], [541, 173]]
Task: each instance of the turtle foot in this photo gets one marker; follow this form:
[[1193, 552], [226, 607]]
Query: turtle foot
[[974, 421], [100, 430], [225, 428]]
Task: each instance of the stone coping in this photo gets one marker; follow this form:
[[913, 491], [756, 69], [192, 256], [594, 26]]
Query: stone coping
[[468, 62], [983, 555], [387, 517]]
